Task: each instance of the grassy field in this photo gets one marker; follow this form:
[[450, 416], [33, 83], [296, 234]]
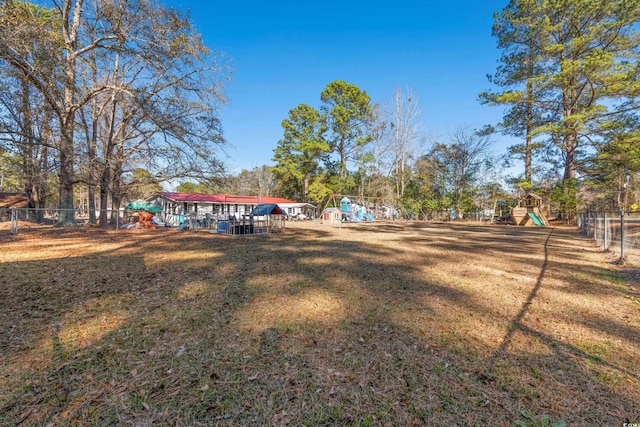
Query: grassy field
[[368, 325]]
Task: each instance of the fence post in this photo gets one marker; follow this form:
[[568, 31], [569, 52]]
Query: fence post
[[621, 235], [14, 221], [606, 227]]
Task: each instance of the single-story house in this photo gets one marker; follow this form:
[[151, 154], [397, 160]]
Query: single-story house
[[177, 207]]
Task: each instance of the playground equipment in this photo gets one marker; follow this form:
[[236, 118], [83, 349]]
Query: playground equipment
[[352, 212], [530, 212], [144, 219], [144, 213], [347, 212], [502, 211], [346, 209], [263, 219]]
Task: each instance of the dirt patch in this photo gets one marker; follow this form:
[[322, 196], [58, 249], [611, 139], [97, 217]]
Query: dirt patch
[[366, 324]]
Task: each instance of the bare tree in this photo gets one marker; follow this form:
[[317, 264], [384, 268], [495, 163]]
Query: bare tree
[[259, 181], [140, 72], [397, 135], [405, 133], [25, 133], [459, 163]]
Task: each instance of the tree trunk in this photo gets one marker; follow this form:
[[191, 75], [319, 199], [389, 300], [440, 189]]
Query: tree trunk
[[66, 175], [40, 194], [91, 196], [568, 181], [529, 115], [27, 145], [42, 187], [116, 199], [116, 187], [403, 162], [529, 128], [569, 162], [91, 153], [343, 159], [105, 179], [528, 156], [68, 114]]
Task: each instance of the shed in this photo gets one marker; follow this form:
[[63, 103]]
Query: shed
[[10, 201], [295, 209], [13, 200], [331, 216]]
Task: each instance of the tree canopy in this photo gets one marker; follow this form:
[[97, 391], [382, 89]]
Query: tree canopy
[[347, 110], [569, 69], [132, 79], [118, 97], [300, 151]]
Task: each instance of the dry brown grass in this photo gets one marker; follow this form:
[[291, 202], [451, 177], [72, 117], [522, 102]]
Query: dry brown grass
[[380, 324]]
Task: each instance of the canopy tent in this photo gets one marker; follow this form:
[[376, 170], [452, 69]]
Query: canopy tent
[[267, 209], [143, 205]]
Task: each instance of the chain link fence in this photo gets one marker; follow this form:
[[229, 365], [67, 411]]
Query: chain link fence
[[485, 215], [618, 232], [24, 220]]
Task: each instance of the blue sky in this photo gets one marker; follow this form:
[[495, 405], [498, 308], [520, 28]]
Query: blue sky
[[284, 53]]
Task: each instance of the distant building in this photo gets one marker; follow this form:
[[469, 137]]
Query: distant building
[[176, 207], [10, 201], [13, 200]]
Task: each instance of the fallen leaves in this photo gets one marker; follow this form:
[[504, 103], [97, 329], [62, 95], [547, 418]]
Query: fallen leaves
[[380, 325]]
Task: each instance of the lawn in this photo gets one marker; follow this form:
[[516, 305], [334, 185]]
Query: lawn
[[370, 325]]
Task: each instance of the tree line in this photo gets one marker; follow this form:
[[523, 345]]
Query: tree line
[[350, 146], [120, 96], [568, 76], [568, 82], [104, 93]]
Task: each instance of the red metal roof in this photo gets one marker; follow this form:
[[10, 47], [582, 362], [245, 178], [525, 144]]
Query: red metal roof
[[219, 198]]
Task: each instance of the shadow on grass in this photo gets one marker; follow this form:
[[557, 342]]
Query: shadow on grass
[[312, 326]]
